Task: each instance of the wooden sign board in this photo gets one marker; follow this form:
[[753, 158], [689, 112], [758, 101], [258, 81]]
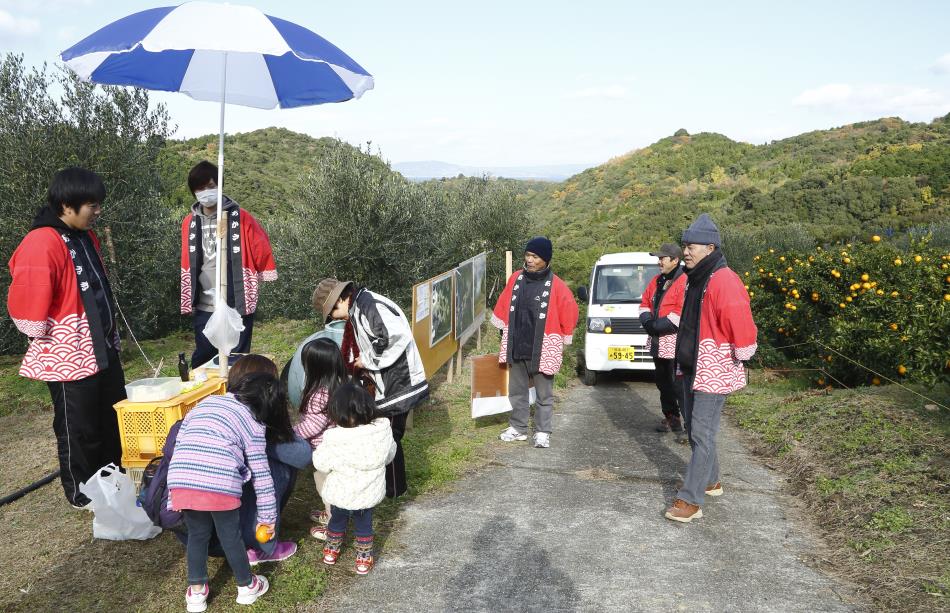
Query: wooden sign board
[[436, 346], [490, 386]]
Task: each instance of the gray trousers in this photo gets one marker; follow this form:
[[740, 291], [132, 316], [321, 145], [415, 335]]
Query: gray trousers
[[518, 385], [701, 413]]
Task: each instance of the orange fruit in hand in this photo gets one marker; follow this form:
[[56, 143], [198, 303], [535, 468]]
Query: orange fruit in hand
[[264, 533]]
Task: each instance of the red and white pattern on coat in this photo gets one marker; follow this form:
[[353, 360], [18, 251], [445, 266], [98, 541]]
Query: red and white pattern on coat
[[269, 275], [717, 370], [251, 291], [497, 322], [667, 349], [30, 328], [745, 353], [503, 347], [185, 291], [552, 349], [674, 319], [64, 353]]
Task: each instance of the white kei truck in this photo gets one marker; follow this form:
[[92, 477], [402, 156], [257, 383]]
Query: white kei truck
[[614, 338]]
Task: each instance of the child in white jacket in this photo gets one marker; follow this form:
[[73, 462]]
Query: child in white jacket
[[353, 456]]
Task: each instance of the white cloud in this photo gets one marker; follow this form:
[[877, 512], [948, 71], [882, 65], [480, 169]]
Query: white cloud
[[942, 65], [609, 92], [907, 101], [18, 26]]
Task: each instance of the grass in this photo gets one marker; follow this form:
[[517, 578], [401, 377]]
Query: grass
[[873, 466], [67, 570]]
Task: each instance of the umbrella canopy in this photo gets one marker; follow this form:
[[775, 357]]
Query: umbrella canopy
[[223, 53], [270, 62]]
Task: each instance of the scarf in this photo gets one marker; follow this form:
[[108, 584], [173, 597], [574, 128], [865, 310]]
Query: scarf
[[687, 340], [348, 347], [540, 287]]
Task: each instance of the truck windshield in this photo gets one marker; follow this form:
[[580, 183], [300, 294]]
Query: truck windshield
[[622, 282]]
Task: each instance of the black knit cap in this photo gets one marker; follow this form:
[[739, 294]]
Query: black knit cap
[[541, 247]]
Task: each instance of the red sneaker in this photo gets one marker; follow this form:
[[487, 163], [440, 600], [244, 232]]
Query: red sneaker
[[364, 564], [330, 554]]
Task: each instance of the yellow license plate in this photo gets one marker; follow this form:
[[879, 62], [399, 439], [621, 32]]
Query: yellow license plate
[[620, 353]]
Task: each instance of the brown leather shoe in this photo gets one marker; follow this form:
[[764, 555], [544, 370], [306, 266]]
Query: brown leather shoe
[[715, 489], [683, 511], [664, 426]]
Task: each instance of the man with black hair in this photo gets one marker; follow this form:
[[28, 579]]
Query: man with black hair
[[60, 297], [248, 252], [660, 309]]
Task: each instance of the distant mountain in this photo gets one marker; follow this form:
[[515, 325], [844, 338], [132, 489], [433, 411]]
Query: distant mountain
[[420, 171]]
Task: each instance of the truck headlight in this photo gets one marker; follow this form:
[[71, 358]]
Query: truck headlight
[[598, 324]]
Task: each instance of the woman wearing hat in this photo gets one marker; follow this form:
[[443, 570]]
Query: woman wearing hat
[[378, 340]]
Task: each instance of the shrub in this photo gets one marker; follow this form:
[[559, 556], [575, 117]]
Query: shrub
[[873, 303]]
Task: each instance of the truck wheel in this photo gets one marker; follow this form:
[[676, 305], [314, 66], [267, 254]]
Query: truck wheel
[[589, 377]]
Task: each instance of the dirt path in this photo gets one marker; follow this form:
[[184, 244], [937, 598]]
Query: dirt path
[[579, 527]]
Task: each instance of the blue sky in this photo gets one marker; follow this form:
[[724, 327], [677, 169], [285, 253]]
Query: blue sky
[[548, 82]]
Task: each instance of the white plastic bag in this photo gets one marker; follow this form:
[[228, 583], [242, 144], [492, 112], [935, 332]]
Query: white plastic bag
[[117, 518], [224, 328]]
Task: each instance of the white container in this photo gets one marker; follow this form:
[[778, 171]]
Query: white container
[[153, 390]]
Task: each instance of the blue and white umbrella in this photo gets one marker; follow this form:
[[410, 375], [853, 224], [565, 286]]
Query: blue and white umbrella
[[270, 62], [223, 53]]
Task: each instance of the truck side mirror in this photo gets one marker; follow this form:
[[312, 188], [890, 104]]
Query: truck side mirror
[[583, 294]]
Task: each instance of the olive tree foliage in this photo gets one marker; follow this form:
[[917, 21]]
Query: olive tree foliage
[[356, 219], [112, 132]]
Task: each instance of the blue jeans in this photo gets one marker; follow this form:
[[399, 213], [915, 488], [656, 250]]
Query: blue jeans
[[701, 414], [362, 521], [284, 477], [226, 525]]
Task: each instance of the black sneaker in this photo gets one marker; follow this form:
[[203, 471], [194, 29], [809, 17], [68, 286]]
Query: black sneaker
[[664, 426]]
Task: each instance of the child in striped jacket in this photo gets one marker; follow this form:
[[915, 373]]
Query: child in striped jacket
[[220, 446], [323, 366]]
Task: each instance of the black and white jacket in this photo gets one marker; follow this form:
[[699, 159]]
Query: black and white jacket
[[389, 352]]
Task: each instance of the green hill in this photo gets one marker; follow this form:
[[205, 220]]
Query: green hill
[[263, 168], [884, 175]]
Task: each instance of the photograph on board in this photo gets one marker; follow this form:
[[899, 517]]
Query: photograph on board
[[440, 321]]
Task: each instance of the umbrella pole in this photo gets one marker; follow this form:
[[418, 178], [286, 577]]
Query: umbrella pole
[[222, 255]]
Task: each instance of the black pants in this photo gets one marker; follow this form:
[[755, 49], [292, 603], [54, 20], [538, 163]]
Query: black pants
[[86, 427], [396, 470], [665, 373], [204, 350]]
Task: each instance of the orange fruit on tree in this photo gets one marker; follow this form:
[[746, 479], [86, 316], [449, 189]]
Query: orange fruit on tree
[[902, 370], [893, 326], [876, 238], [865, 277], [876, 381], [898, 262], [918, 259]]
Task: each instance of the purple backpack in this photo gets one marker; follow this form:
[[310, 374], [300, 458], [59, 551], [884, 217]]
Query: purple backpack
[[154, 491]]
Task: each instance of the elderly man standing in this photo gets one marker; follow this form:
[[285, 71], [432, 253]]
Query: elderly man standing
[[660, 309], [536, 314], [716, 335]]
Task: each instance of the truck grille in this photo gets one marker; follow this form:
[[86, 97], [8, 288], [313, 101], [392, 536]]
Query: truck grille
[[626, 325]]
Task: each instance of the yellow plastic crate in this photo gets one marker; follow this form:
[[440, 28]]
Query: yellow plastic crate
[[143, 426]]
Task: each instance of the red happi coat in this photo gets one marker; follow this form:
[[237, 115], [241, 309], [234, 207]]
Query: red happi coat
[[45, 304], [257, 260], [671, 307], [727, 335], [560, 319]]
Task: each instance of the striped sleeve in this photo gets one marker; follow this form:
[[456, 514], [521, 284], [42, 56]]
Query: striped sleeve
[[315, 419], [256, 453]]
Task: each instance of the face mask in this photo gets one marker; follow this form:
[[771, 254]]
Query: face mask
[[207, 197]]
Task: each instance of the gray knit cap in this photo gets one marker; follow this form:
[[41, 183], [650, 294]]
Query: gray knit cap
[[703, 232]]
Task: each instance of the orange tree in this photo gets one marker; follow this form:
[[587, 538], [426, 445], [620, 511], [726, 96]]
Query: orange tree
[[880, 306]]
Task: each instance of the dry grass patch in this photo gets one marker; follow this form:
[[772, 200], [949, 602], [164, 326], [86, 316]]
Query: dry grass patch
[[873, 467]]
